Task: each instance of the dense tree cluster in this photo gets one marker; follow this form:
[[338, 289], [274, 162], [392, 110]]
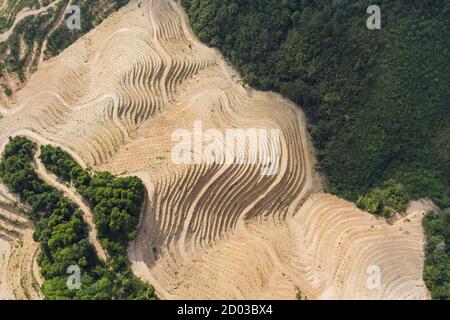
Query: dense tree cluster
[[63, 235], [10, 9], [117, 205], [16, 58], [377, 100], [116, 202], [437, 264], [59, 228]]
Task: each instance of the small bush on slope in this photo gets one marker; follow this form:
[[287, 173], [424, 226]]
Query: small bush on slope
[[381, 201]]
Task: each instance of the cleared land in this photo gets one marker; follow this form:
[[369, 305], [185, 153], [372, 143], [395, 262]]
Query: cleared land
[[19, 273], [114, 98], [32, 31]]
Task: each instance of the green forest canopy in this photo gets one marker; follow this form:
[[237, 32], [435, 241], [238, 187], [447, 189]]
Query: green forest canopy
[[378, 101], [63, 235]]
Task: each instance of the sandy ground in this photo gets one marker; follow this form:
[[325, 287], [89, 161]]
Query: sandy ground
[[113, 100], [19, 273]]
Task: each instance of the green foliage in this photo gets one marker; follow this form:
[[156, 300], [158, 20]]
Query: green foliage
[[94, 12], [32, 31], [116, 204], [377, 100], [381, 201], [62, 233], [437, 260], [56, 161], [11, 9], [59, 227]]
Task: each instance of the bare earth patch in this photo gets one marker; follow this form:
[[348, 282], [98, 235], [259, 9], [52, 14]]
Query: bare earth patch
[[115, 97]]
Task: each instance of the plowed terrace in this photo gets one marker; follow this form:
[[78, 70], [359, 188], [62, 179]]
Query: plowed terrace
[[114, 98]]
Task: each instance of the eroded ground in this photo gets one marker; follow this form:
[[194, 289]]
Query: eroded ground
[[113, 100]]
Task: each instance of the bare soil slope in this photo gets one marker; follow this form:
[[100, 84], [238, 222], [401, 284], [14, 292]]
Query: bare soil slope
[[19, 274], [115, 97]]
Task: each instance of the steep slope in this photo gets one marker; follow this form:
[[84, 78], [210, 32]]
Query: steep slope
[[32, 31], [19, 273], [326, 251], [209, 230], [375, 113]]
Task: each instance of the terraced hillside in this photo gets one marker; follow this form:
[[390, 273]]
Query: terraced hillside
[[113, 100], [19, 273], [32, 31]]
